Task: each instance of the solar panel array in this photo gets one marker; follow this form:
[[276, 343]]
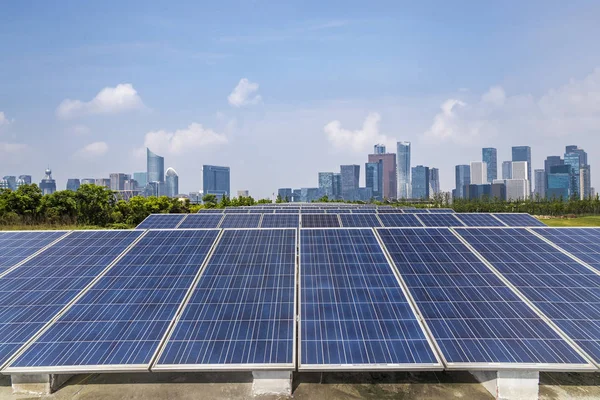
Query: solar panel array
[[17, 246], [359, 220], [440, 220], [240, 221], [583, 243], [478, 219], [280, 221], [320, 221], [162, 221], [201, 221], [399, 220], [520, 219]]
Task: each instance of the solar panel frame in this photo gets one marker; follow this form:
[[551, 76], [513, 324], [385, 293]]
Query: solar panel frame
[[360, 221], [199, 221], [321, 221], [394, 210], [476, 220], [436, 220], [21, 253], [441, 210], [510, 220], [153, 221], [587, 252], [416, 210]]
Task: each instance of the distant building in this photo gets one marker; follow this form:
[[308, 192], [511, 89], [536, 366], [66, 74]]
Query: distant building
[[172, 183], [243, 193], [337, 186], [490, 157], [117, 181], [73, 184], [540, 183], [25, 179], [577, 158], [517, 189], [309, 194], [498, 190], [141, 178], [462, 175], [326, 184], [420, 182], [379, 149], [132, 185], [374, 178], [364, 194], [585, 182], [285, 194], [11, 182], [4, 184], [48, 185], [478, 173], [216, 180], [522, 153], [88, 181], [296, 195], [105, 182], [195, 197], [474, 192], [404, 170], [155, 165], [389, 177], [350, 177], [559, 182], [507, 170], [434, 181]]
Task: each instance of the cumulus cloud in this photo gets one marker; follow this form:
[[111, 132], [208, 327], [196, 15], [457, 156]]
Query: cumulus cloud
[[359, 140], [244, 94], [110, 100], [4, 120], [181, 141], [93, 150]]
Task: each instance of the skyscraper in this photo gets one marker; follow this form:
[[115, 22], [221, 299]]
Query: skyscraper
[[489, 156], [141, 178], [572, 155], [155, 167], [11, 182], [172, 183], [403, 164], [550, 162], [337, 186], [390, 186], [23, 180], [117, 181], [378, 149], [434, 181], [48, 185], [520, 170], [326, 184], [559, 182], [374, 178], [285, 194], [462, 177], [478, 173], [88, 181], [420, 182], [540, 183], [104, 182], [506, 169], [573, 160], [522, 153], [585, 182], [73, 184], [216, 180], [350, 175]]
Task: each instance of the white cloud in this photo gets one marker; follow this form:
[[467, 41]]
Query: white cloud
[[4, 120], [181, 141], [80, 130], [495, 96], [358, 140], [95, 149], [109, 100], [244, 94]]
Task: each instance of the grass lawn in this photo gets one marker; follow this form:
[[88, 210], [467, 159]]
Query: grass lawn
[[579, 221]]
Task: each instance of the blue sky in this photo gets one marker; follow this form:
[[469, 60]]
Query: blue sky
[[164, 75]]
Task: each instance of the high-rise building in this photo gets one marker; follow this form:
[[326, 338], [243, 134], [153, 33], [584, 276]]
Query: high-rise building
[[364, 194], [73, 184], [337, 186], [374, 179], [478, 173], [285, 194], [309, 194], [11, 182], [172, 183], [243, 193], [4, 184], [350, 178], [550, 162], [104, 182], [516, 189], [117, 181], [141, 178], [155, 167], [390, 186], [326, 184], [462, 176], [540, 183], [296, 195], [88, 181], [434, 181], [585, 182], [379, 149], [499, 189], [489, 156], [403, 164], [522, 153], [520, 170], [216, 180], [506, 169], [573, 160], [132, 185], [577, 158], [23, 180], [48, 185], [559, 182], [420, 182]]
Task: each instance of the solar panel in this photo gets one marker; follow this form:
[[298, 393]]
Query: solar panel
[[354, 313], [416, 210], [441, 210], [287, 211], [359, 220], [518, 219], [236, 210], [260, 211], [17, 246], [32, 294], [565, 291], [364, 210], [312, 211], [320, 221], [199, 221], [119, 323], [210, 211], [478, 219], [280, 221], [474, 317], [242, 312], [394, 210], [338, 211], [240, 221], [439, 220], [583, 243], [161, 221], [399, 220]]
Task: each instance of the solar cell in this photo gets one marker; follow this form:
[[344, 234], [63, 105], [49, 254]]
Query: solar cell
[[260, 211], [583, 243], [565, 291], [359, 220], [394, 210], [478, 219], [198, 221], [320, 221], [236, 210], [119, 323], [161, 221], [280, 221], [338, 211], [474, 317], [518, 219], [441, 210], [312, 211], [287, 211], [364, 210], [242, 312], [399, 220], [32, 294], [439, 220], [17, 246], [354, 313], [416, 210], [240, 221], [210, 211]]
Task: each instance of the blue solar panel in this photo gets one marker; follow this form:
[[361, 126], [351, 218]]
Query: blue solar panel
[[364, 210], [399, 220], [394, 210], [260, 211], [210, 211], [583, 243], [236, 210], [439, 220], [32, 294], [161, 221], [199, 221], [478, 219], [287, 211], [122, 319], [320, 221], [565, 291], [312, 211], [359, 220], [242, 311], [416, 210], [518, 219], [353, 310], [441, 210], [17, 246], [240, 221], [280, 221], [338, 211], [474, 317]]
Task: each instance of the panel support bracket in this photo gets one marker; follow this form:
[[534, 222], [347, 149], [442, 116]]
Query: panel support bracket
[[510, 384], [38, 384], [272, 382]]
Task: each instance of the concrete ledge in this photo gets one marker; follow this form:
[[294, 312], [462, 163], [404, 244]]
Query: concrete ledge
[[510, 385], [272, 382], [42, 384]]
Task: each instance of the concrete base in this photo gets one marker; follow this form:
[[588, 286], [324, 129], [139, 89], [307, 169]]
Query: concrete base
[[42, 384], [272, 382], [510, 385]]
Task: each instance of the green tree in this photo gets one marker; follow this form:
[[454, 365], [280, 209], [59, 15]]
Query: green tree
[[137, 210], [210, 200], [25, 202], [224, 202], [265, 201], [59, 207], [95, 204]]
